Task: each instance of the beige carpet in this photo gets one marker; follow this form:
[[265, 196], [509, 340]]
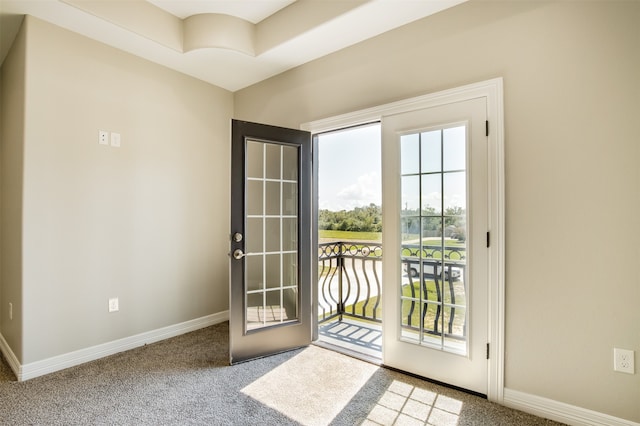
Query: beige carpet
[[313, 387], [187, 380]]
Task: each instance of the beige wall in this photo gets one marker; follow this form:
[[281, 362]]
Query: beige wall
[[572, 178], [12, 115], [145, 222], [148, 222]]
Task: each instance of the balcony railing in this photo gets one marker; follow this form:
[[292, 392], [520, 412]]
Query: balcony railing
[[349, 276], [349, 284]]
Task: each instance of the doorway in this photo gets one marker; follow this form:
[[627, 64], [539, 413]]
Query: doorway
[[441, 340], [349, 220]]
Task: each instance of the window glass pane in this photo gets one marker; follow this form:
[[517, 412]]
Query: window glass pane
[[432, 319], [254, 197], [455, 326], [289, 163], [454, 148], [253, 235], [410, 319], [431, 153], [289, 234], [456, 234], [253, 265], [431, 194], [455, 192], [272, 206], [410, 195], [274, 307], [290, 199], [290, 302], [272, 235], [254, 159], [255, 310], [272, 270], [431, 235], [290, 269], [433, 267], [410, 228], [410, 153], [272, 153]]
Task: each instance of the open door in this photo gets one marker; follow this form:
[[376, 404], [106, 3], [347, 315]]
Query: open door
[[270, 257], [437, 219]]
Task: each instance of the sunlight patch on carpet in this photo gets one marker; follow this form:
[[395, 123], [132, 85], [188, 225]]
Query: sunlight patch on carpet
[[405, 404], [313, 387]]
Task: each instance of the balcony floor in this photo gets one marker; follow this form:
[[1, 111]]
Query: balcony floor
[[358, 338]]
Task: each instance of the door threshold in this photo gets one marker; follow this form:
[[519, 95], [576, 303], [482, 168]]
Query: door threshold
[[348, 352]]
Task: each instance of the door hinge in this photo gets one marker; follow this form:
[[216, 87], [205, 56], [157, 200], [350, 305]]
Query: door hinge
[[487, 351], [488, 239], [486, 127]]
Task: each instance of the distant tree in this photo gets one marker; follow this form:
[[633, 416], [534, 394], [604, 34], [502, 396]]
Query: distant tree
[[360, 219], [369, 219]]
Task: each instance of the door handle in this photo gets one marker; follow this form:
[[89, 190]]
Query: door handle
[[238, 254]]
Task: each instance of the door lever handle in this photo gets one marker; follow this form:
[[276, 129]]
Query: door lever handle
[[238, 254]]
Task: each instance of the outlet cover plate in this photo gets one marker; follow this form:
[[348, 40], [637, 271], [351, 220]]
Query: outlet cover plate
[[103, 137], [113, 304], [623, 361]]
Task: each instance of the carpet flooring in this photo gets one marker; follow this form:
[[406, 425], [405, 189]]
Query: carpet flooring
[[186, 380]]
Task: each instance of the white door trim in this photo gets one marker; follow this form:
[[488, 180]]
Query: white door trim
[[492, 90]]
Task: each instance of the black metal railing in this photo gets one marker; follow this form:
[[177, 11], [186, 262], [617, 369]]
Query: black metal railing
[[433, 252], [442, 294], [349, 280], [349, 283]]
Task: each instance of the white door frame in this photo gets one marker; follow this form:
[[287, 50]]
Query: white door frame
[[492, 90]]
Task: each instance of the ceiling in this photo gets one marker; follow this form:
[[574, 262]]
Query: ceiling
[[229, 43]]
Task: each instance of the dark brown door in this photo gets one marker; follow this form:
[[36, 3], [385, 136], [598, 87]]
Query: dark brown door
[[270, 256]]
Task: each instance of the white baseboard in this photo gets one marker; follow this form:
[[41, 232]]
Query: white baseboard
[[11, 358], [60, 362], [560, 411]]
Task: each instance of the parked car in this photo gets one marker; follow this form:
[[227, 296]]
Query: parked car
[[412, 267]]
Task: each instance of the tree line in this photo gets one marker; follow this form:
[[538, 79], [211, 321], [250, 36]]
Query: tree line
[[360, 219], [369, 219]]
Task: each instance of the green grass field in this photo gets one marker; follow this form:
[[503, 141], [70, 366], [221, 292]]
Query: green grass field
[[350, 235], [429, 316]]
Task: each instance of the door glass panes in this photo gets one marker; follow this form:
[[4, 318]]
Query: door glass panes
[[433, 228], [410, 148], [410, 195], [271, 240]]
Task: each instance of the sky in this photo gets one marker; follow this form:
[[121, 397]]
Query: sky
[[349, 168]]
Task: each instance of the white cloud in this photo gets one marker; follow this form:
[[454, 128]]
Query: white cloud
[[366, 190], [432, 199]]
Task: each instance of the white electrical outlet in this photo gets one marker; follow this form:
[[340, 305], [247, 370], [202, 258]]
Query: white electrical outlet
[[113, 304], [623, 361], [103, 137]]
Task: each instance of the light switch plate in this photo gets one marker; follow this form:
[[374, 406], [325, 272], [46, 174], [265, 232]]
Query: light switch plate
[[115, 139]]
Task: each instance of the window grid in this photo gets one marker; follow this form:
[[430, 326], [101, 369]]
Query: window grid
[[422, 299], [264, 290]]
